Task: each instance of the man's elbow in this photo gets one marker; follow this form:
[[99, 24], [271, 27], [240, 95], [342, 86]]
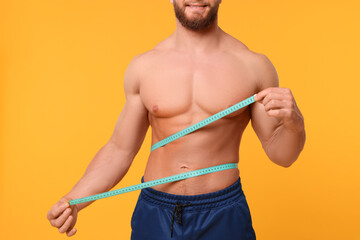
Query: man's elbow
[[286, 165], [287, 162], [282, 158]]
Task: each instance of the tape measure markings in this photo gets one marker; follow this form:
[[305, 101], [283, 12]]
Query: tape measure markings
[[204, 122], [173, 178], [167, 140]]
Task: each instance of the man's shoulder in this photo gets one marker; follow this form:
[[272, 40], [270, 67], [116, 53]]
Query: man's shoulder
[[236, 47], [141, 65], [263, 69], [148, 56], [257, 62], [142, 57], [141, 62]]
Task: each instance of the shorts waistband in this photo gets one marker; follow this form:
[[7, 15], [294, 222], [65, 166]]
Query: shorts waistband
[[198, 202]]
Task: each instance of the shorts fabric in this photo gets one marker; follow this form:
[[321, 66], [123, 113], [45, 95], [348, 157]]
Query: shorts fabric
[[223, 214]]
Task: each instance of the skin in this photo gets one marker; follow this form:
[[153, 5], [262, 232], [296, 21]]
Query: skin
[[184, 79]]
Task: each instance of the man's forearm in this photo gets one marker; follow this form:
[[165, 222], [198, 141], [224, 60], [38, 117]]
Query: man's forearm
[[107, 168], [285, 145]]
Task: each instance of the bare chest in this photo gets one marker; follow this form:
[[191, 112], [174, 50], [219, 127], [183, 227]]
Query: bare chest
[[177, 84]]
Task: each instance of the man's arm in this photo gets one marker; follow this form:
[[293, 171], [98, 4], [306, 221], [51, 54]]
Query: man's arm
[[275, 118], [113, 160]]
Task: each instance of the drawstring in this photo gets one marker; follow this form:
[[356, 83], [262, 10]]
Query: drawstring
[[178, 214]]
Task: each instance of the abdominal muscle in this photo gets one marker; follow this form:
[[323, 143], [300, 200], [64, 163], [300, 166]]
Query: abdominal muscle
[[212, 145]]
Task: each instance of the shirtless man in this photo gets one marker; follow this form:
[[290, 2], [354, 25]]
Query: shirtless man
[[197, 71]]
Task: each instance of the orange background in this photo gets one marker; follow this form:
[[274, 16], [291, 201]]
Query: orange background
[[61, 69]]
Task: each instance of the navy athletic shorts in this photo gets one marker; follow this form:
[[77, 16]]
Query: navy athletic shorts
[[223, 214]]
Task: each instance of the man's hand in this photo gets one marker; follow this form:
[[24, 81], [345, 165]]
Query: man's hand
[[280, 103], [63, 217]]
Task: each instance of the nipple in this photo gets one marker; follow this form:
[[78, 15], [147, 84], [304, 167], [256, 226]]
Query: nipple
[[155, 108]]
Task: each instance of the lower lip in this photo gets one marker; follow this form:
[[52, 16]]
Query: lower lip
[[197, 8]]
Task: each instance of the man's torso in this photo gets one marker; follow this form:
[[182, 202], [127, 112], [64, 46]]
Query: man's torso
[[179, 89]]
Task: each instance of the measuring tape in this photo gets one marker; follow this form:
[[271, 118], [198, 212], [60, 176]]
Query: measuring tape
[[181, 176], [204, 122], [172, 178]]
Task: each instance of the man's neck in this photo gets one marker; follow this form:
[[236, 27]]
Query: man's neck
[[197, 41]]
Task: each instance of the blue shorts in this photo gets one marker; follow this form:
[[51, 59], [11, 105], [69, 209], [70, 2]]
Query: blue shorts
[[223, 214]]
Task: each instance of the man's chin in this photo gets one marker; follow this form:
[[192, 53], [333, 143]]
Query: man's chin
[[194, 17]]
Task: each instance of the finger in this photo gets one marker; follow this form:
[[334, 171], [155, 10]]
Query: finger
[[56, 210], [274, 96], [281, 113], [71, 232], [61, 219], [66, 225], [262, 94], [275, 104]]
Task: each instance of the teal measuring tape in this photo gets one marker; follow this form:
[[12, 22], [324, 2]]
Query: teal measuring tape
[[181, 176], [172, 178], [204, 122]]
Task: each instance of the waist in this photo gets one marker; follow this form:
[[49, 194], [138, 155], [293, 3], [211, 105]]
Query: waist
[[195, 185], [222, 196]]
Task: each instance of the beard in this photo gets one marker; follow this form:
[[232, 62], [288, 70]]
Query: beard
[[197, 23]]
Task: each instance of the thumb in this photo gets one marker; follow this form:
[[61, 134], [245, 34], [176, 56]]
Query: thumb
[[258, 98]]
